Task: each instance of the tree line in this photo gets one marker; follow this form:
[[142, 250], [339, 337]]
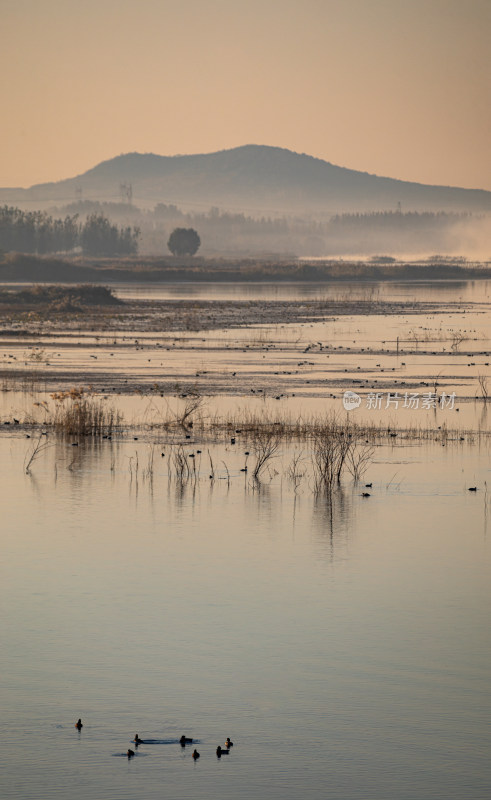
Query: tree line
[[38, 233], [397, 220]]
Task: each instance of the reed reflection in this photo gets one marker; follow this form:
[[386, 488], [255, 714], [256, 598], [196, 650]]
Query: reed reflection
[[332, 513]]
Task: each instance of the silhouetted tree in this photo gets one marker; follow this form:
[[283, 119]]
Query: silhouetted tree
[[184, 242]]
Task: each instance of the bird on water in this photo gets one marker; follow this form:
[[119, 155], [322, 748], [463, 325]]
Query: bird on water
[[79, 725]]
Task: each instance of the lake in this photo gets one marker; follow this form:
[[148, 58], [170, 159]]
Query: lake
[[441, 291], [343, 644]]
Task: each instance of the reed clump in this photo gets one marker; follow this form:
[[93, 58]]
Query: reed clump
[[265, 445], [78, 412], [291, 428]]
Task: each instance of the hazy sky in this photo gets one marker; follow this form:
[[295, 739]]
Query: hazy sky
[[395, 87]]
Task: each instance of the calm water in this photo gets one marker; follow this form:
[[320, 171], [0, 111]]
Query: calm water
[[345, 647], [423, 291]]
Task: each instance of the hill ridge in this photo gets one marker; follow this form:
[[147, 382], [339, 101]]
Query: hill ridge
[[250, 176]]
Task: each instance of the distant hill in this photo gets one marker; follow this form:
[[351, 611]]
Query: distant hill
[[254, 179]]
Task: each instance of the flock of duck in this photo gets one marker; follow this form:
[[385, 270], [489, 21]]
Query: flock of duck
[[183, 741]]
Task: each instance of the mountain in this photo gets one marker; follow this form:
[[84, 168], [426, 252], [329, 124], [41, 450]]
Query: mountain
[[255, 179]]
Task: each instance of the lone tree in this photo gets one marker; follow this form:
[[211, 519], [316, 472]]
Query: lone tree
[[183, 242]]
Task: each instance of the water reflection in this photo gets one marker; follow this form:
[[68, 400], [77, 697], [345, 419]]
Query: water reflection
[[264, 612], [439, 291], [332, 513]]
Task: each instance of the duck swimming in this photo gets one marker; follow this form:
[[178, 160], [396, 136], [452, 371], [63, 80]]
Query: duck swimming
[[79, 725], [137, 739], [196, 755], [228, 743], [222, 752], [185, 740], [130, 753]]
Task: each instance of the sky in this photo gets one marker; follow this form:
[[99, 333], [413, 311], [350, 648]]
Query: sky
[[399, 88]]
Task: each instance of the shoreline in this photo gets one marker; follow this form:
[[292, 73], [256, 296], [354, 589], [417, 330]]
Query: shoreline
[[20, 268]]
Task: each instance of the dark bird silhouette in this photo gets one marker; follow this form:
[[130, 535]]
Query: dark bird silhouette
[[368, 486], [137, 739], [184, 740], [365, 494], [195, 755], [228, 743], [222, 752], [473, 488], [79, 725], [130, 753]]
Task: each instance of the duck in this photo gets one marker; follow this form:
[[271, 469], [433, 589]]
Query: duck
[[137, 739], [473, 488], [222, 752], [196, 755], [79, 725], [185, 740], [365, 494], [228, 743], [130, 753]]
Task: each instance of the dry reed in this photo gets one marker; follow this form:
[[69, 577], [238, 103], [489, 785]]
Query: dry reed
[[78, 412]]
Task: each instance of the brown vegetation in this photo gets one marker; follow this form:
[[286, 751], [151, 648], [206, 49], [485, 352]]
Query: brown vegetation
[[79, 413], [59, 298], [20, 267]]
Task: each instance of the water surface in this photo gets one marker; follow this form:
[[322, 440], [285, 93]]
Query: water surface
[[343, 645]]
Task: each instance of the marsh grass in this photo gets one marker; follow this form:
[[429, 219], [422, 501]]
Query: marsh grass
[[180, 464], [331, 448], [78, 412], [483, 387], [34, 452], [81, 412], [290, 428], [296, 470], [265, 446]]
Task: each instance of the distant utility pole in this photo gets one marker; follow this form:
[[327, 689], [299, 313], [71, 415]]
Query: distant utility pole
[[126, 192]]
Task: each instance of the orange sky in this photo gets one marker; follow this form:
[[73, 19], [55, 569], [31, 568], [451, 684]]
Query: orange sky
[[394, 87]]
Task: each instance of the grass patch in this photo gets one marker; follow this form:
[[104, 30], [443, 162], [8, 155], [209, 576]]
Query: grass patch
[[60, 298], [79, 413]]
